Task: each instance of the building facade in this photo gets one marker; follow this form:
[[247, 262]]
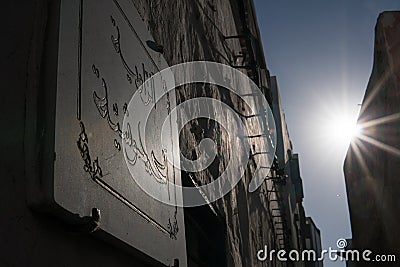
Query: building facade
[[372, 163], [67, 67]]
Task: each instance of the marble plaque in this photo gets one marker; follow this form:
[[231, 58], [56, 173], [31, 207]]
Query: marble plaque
[[105, 53]]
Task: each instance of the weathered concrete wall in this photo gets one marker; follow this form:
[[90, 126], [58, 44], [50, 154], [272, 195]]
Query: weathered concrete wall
[[195, 30], [372, 165]]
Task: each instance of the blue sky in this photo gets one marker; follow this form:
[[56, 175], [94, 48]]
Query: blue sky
[[322, 55]]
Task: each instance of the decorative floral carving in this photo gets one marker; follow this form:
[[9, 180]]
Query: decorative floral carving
[[91, 167]]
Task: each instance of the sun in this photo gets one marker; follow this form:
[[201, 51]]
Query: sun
[[341, 129]]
